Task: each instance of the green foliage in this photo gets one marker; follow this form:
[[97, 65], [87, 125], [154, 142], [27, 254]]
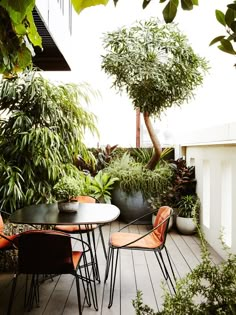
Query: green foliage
[[102, 185], [228, 20], [41, 132], [188, 206], [18, 35], [135, 177], [66, 189], [143, 155], [208, 289], [154, 63], [80, 5], [182, 183]]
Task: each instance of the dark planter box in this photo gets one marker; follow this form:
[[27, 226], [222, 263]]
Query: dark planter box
[[131, 206]]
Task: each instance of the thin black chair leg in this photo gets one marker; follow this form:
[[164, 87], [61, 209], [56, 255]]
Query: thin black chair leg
[[108, 264], [12, 294], [78, 294], [171, 267], [89, 281], [95, 257], [103, 243], [113, 276], [164, 270]]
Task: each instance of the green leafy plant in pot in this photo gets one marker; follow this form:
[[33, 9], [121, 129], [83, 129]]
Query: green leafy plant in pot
[[188, 210], [66, 191]]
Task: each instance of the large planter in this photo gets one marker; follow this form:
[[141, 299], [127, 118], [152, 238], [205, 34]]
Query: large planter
[[131, 206], [185, 226]]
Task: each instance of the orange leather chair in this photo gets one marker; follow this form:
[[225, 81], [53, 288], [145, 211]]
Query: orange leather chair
[[153, 240]]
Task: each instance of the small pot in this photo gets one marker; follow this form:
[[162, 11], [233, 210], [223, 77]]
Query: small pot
[[72, 206], [185, 226]]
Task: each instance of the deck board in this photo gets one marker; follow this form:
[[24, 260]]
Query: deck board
[[137, 270]]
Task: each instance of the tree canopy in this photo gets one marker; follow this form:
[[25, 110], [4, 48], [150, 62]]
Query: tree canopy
[[155, 64]]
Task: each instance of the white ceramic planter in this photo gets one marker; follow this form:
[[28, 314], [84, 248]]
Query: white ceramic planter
[[185, 225]]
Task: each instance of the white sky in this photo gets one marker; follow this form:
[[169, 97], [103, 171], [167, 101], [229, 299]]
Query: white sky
[[214, 103]]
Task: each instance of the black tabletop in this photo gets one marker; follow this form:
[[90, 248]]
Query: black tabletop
[[88, 213]]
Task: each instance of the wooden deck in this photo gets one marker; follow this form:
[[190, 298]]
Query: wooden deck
[[136, 271]]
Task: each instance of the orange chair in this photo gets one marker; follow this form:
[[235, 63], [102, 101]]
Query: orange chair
[[47, 252], [5, 240], [153, 240], [81, 229]]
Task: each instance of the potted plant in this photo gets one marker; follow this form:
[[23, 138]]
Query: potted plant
[[66, 191], [135, 185], [102, 185], [188, 209]]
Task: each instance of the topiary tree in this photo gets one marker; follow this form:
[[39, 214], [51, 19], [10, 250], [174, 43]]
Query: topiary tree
[[156, 66], [41, 133]]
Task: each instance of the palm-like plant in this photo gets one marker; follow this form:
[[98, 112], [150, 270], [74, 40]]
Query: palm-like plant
[[41, 133]]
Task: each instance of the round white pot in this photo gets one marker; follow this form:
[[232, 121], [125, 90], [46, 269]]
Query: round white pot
[[185, 225], [171, 222]]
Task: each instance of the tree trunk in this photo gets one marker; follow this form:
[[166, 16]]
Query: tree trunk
[[156, 143]]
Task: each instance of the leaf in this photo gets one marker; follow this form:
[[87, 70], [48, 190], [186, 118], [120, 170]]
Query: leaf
[[216, 39], [229, 17], [232, 6], [33, 34], [170, 10], [17, 10], [227, 47], [220, 17], [80, 5], [187, 4], [146, 3], [195, 2]]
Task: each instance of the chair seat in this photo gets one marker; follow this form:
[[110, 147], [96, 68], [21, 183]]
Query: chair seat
[[76, 255], [5, 244], [75, 228], [120, 239]]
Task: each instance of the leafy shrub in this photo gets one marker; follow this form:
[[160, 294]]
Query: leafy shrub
[[213, 285]]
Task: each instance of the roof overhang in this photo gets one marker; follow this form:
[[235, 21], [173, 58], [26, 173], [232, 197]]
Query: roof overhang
[[50, 58]]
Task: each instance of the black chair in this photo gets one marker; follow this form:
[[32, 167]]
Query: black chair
[[47, 252], [153, 240]]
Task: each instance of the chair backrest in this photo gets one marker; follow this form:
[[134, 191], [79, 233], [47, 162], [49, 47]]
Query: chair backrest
[[1, 224], [86, 199], [162, 214], [44, 252]]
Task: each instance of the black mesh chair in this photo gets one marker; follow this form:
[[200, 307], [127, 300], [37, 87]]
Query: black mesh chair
[[47, 252], [153, 240]]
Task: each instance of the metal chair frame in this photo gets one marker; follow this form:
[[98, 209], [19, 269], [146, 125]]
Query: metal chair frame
[[67, 268], [89, 229], [112, 259]]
